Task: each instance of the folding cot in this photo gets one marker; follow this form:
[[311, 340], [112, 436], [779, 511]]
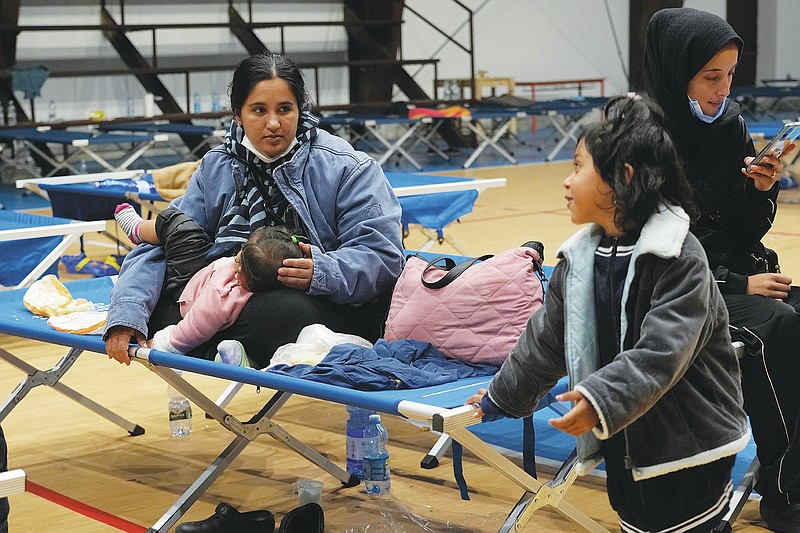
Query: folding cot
[[439, 408], [209, 135], [367, 128], [488, 124], [433, 202], [760, 101], [77, 143], [30, 245], [567, 117], [12, 482]]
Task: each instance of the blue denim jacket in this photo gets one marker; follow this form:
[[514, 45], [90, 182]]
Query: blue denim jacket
[[341, 195]]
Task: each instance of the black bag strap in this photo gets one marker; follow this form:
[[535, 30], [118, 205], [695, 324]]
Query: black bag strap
[[453, 270]]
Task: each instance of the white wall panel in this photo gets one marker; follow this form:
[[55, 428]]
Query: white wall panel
[[530, 40]]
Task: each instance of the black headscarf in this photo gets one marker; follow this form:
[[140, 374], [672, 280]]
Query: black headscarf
[[679, 42]]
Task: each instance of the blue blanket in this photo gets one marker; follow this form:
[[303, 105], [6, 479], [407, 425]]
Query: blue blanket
[[401, 364]]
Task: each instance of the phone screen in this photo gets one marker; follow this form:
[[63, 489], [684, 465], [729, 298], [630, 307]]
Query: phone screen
[[778, 144]]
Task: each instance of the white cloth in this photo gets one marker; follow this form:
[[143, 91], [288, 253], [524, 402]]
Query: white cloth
[[312, 345]]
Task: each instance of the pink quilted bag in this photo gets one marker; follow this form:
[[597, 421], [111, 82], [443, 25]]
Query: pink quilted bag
[[474, 311]]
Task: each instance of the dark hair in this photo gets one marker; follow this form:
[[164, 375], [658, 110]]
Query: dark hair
[[263, 255], [634, 132], [249, 72]]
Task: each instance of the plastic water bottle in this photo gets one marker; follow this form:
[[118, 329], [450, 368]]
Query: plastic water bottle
[[51, 111], [131, 107], [82, 167], [180, 413], [215, 102], [354, 430], [12, 114], [196, 102], [377, 477]]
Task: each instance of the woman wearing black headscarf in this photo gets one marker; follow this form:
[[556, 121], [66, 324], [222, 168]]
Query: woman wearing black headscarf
[[690, 58]]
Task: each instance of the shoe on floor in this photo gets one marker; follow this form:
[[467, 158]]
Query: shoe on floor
[[71, 261], [784, 519], [226, 519], [307, 518], [80, 264]]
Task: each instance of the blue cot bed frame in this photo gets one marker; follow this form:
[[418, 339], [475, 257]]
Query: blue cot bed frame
[[766, 101], [489, 123], [439, 408], [210, 135], [76, 143], [432, 202], [30, 245]]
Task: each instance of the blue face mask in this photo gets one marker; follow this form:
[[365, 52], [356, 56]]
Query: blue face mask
[[694, 105]]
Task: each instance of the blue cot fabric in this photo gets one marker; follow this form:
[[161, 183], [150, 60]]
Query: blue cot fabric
[[19, 257], [401, 364]]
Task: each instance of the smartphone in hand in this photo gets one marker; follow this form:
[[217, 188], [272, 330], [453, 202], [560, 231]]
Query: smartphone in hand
[[778, 144]]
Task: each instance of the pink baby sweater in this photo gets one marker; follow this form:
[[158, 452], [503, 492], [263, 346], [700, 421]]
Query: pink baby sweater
[[211, 301]]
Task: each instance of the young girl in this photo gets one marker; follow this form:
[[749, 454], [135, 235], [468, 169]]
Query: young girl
[[211, 296], [634, 317]]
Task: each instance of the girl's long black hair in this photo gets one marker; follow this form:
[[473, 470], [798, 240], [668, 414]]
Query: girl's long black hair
[[633, 132]]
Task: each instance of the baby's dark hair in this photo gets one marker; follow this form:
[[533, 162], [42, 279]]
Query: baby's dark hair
[[634, 132], [263, 255]]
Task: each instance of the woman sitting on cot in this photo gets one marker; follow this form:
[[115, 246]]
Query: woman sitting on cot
[[277, 168], [634, 317]]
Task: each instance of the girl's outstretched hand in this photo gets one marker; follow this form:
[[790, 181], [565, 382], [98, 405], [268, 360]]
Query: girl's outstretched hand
[[580, 419], [475, 400]]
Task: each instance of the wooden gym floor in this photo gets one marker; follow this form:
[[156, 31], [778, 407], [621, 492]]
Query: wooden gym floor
[[129, 482]]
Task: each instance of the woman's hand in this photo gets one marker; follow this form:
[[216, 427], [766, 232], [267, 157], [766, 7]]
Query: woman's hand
[[580, 419], [475, 400], [297, 273], [775, 286], [117, 341], [766, 174]]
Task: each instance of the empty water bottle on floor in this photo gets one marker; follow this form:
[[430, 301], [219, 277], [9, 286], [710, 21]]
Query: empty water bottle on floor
[[51, 111], [215, 102], [377, 477], [12, 114], [196, 102], [180, 413], [354, 430], [130, 107]]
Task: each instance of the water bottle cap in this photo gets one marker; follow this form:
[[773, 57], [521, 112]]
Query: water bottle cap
[[374, 418]]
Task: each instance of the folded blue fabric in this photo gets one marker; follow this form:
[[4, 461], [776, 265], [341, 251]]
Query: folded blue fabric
[[401, 364]]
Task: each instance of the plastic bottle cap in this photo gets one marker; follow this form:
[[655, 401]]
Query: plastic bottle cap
[[374, 418]]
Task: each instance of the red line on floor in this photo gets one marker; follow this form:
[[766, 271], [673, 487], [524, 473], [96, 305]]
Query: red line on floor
[[82, 508]]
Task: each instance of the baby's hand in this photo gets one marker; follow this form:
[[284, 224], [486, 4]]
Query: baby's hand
[[580, 419], [475, 400]]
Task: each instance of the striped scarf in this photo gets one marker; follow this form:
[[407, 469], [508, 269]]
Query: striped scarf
[[260, 203]]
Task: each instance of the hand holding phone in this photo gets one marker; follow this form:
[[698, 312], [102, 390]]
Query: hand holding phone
[[778, 144]]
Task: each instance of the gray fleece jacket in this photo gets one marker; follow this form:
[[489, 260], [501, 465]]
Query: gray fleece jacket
[[674, 388]]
